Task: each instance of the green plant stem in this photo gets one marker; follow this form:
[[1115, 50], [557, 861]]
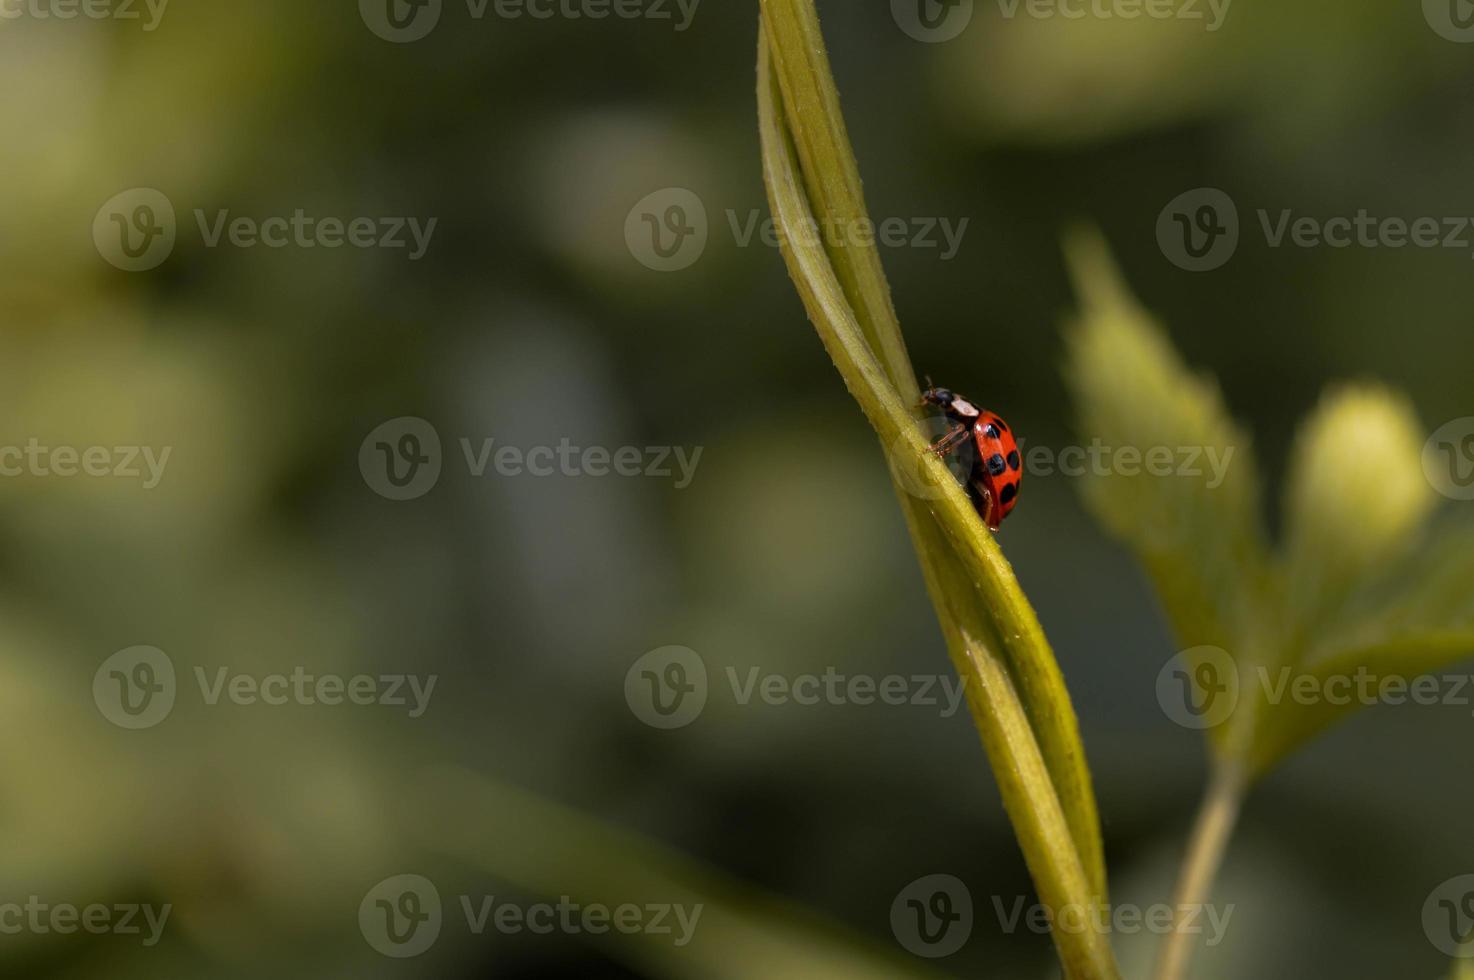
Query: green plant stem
[[958, 555], [810, 131], [1205, 851], [1039, 821]]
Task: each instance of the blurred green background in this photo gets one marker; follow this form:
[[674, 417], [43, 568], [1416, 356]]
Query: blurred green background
[[530, 319]]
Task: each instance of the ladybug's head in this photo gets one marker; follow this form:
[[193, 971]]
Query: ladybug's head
[[940, 397], [953, 405]]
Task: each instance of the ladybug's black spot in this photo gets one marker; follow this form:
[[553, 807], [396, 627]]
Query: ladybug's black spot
[[1013, 460], [1009, 491], [1000, 423], [996, 465], [990, 430]]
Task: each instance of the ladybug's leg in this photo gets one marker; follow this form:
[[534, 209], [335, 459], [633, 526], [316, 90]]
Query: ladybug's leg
[[952, 441], [983, 501]]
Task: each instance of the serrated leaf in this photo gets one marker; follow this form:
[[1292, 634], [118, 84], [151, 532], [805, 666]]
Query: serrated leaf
[[1197, 529], [1411, 619], [1428, 589], [1355, 500]]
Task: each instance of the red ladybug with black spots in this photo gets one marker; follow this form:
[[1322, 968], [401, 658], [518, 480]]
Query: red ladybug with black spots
[[984, 440]]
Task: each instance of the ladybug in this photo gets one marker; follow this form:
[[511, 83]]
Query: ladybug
[[988, 449]]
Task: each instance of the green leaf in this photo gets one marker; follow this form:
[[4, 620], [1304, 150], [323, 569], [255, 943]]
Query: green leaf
[[1355, 501], [1413, 617], [1197, 529], [1429, 588]]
